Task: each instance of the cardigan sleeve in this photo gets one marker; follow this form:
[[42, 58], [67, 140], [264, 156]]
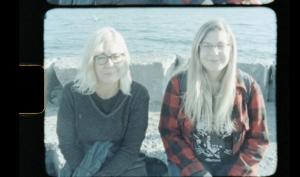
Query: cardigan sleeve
[[66, 130]]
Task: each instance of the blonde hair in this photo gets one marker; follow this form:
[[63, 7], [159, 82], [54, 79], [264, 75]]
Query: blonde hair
[[85, 80], [198, 103]]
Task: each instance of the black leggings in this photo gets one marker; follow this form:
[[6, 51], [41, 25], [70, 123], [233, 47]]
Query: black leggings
[[138, 168]]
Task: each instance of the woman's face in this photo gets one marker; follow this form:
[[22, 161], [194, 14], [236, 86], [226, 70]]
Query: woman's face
[[215, 50], [109, 63]]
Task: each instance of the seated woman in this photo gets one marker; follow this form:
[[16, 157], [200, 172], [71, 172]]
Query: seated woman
[[213, 117], [103, 114]]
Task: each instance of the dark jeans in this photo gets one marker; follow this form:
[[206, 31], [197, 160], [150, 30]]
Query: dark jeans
[[138, 168], [216, 169], [173, 169]]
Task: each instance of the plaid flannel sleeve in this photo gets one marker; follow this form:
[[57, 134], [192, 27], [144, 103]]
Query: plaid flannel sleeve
[[177, 149], [256, 138]]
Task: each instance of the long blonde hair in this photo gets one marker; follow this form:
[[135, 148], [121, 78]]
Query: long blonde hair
[[198, 103], [85, 80]]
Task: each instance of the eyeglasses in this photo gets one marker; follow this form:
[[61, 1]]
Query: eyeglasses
[[103, 59], [208, 46]]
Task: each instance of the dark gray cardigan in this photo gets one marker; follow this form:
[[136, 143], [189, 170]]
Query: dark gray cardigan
[[80, 123]]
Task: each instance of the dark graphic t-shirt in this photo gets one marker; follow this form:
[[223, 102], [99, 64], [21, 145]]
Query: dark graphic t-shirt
[[210, 147]]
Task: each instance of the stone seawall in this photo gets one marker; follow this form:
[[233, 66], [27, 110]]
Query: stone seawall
[[154, 77]]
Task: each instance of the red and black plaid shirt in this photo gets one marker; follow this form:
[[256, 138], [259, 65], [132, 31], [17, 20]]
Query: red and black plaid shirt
[[250, 144]]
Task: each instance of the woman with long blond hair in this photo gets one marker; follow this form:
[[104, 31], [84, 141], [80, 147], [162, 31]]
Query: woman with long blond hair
[[213, 118]]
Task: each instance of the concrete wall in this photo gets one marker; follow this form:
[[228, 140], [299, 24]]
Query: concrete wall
[[154, 78]]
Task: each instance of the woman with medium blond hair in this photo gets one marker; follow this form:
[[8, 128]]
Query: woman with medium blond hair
[[103, 113], [213, 118]]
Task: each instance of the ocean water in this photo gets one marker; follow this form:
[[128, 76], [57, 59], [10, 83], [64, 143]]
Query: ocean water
[[157, 34]]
